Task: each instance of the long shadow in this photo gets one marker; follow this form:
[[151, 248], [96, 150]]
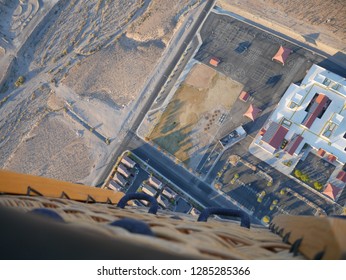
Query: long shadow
[[332, 64], [169, 117], [273, 80], [171, 142], [87, 126], [243, 47], [252, 127], [311, 38]]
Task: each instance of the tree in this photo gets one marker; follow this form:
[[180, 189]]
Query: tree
[[19, 81], [282, 191], [266, 219], [305, 178], [269, 184], [318, 186], [297, 173], [236, 176]]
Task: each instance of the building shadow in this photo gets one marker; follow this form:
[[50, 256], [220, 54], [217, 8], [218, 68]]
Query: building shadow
[[311, 38], [335, 63]]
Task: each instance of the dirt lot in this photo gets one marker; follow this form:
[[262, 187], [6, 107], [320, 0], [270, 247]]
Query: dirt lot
[[322, 22], [93, 54], [190, 121], [52, 149]]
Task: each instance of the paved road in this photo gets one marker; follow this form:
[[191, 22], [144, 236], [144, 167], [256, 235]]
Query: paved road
[[195, 188]]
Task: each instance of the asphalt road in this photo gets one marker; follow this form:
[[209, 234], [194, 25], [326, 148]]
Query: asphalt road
[[192, 186]]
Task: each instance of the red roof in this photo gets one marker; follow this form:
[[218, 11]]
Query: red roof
[[282, 54], [331, 191], [321, 152], [244, 96], [293, 144], [214, 61], [331, 158], [252, 112], [342, 176], [274, 135], [316, 109]]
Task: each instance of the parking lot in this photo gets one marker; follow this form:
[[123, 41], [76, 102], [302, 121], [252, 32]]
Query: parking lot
[[245, 54], [139, 180]]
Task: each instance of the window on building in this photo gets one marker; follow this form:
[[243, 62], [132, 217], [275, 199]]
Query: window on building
[[335, 86], [329, 129], [292, 105], [326, 82], [286, 123]]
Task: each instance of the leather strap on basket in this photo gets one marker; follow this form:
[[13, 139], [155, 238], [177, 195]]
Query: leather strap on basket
[[244, 218], [140, 196]]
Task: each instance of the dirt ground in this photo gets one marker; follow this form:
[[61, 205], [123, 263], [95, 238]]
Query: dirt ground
[[94, 54], [319, 22], [53, 149], [190, 121], [121, 69]]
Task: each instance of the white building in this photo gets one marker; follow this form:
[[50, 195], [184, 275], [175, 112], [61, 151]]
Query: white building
[[169, 193], [123, 171], [119, 179], [149, 190], [114, 186], [313, 113], [156, 183], [128, 162]]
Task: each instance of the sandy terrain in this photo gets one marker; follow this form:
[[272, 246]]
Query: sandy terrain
[[90, 56], [200, 77], [318, 22], [53, 149], [141, 45], [190, 121]]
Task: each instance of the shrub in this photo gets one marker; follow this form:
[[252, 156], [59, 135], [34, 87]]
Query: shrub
[[269, 184], [19, 81], [236, 176], [297, 173], [305, 178], [266, 219], [318, 186]]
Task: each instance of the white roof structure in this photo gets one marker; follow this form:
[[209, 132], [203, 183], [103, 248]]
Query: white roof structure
[[114, 186], [123, 171], [128, 162], [153, 181], [169, 193], [316, 110], [119, 179], [149, 190]]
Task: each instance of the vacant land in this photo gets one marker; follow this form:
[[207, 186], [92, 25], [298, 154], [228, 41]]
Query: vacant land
[[94, 56], [190, 121], [320, 22], [69, 155]]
